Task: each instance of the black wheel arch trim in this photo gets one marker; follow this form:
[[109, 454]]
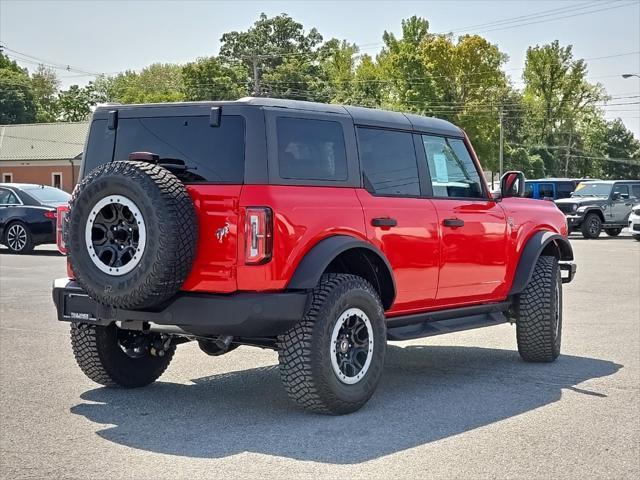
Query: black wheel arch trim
[[535, 246], [315, 262]]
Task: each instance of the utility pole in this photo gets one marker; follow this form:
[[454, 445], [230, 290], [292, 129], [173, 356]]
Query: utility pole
[[256, 75], [566, 160], [501, 145]]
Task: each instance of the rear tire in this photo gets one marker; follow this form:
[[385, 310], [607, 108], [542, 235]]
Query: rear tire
[[18, 238], [539, 313], [100, 357], [331, 362], [613, 232], [591, 226]]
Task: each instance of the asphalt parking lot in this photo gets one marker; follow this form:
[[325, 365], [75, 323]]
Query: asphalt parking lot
[[455, 406]]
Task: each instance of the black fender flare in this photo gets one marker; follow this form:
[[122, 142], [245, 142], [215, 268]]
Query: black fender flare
[[532, 250], [315, 262]]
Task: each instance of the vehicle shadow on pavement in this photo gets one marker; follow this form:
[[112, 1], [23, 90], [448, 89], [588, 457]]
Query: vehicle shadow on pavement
[[426, 394]]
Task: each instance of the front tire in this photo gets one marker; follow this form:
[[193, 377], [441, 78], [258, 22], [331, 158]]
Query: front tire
[[591, 226], [18, 238], [613, 232], [331, 362], [99, 355], [539, 313]]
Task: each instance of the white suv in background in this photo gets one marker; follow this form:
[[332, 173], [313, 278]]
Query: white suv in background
[[634, 222]]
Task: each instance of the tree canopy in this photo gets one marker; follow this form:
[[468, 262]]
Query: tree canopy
[[554, 126]]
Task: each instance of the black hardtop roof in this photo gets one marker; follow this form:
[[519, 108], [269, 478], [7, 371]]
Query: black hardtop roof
[[360, 115]]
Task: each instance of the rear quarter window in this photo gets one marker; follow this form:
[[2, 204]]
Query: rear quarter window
[[210, 154], [311, 149]]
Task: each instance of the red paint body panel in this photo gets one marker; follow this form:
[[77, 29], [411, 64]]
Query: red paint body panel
[[412, 247], [215, 267], [473, 260], [434, 266], [302, 217]]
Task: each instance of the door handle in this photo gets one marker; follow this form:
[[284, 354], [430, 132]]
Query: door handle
[[384, 222], [453, 222]]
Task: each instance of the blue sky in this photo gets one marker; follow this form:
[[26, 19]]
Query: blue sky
[[99, 36]]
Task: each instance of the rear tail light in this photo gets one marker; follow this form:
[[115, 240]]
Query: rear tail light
[[50, 214], [61, 227], [258, 235]]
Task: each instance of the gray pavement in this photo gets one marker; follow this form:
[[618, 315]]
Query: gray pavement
[[455, 406]]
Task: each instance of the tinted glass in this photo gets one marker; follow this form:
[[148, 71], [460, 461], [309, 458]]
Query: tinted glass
[[564, 189], [635, 191], [49, 195], [545, 190], [453, 173], [528, 190], [388, 161], [311, 149], [7, 197], [623, 190], [99, 147], [210, 154]]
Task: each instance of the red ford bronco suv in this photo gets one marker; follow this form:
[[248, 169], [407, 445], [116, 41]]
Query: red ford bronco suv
[[320, 231]]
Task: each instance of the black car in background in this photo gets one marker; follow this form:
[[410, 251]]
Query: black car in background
[[28, 215]]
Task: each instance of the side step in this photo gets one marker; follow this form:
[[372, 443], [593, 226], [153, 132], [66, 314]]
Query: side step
[[438, 323]]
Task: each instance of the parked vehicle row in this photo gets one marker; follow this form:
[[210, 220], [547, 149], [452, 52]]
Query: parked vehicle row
[[28, 215], [600, 205]]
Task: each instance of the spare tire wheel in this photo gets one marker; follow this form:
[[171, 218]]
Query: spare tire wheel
[[132, 234]]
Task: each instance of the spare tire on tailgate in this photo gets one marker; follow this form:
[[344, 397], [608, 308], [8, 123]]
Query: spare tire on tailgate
[[132, 234]]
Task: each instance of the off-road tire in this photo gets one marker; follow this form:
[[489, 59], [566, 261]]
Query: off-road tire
[[28, 245], [591, 226], [613, 232], [304, 351], [538, 338], [102, 360], [171, 234]]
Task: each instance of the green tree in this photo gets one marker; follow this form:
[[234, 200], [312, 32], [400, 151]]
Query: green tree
[[159, 82], [76, 103], [621, 144], [408, 85], [367, 81], [269, 44], [45, 85], [17, 99], [210, 79]]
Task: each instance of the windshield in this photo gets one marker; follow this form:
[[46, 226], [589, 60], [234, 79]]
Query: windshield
[[48, 194], [592, 190]]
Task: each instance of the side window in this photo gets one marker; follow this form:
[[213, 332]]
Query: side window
[[388, 161], [622, 189], [311, 149], [545, 190], [453, 173], [7, 197], [564, 189], [528, 190], [635, 191]]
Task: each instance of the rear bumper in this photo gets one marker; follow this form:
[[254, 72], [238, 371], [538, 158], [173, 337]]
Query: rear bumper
[[240, 314]]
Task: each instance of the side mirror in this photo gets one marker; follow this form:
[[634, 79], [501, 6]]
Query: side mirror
[[616, 196], [512, 184]]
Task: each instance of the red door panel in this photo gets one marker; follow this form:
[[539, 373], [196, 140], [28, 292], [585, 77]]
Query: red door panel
[[473, 262], [214, 269], [412, 247]]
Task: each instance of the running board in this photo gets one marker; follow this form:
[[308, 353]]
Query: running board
[[448, 321]]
